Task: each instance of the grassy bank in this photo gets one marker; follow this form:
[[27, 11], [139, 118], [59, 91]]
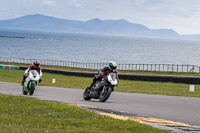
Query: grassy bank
[[161, 88], [120, 71], [19, 114]]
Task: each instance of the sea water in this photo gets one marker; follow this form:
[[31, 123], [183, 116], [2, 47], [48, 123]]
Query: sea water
[[98, 48]]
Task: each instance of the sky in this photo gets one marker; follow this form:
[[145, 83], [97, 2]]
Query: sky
[[183, 16]]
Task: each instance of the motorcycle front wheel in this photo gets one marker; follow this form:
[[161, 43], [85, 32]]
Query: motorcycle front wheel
[[86, 94], [32, 89], [105, 93]]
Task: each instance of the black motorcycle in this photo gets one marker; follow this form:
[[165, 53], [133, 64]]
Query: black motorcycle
[[103, 93]]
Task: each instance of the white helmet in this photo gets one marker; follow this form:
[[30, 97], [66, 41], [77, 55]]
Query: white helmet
[[112, 65]]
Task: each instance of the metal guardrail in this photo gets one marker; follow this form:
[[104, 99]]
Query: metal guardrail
[[132, 67]]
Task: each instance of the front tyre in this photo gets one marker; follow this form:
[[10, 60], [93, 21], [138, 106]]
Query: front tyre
[[32, 89], [105, 94], [86, 94]]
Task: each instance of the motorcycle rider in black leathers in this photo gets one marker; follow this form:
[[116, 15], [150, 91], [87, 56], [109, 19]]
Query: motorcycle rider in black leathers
[[102, 73]]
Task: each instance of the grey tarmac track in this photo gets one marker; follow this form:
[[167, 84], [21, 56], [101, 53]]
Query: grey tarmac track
[[174, 108]]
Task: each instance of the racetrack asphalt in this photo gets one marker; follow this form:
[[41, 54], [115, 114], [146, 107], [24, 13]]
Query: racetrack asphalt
[[173, 108]]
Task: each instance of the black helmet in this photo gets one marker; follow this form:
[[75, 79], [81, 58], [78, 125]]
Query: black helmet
[[36, 63], [112, 65]]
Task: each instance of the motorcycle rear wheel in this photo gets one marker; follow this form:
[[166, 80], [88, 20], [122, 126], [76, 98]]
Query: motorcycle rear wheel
[[105, 94], [86, 94]]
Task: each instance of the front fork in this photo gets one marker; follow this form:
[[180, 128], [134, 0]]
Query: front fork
[[29, 85]]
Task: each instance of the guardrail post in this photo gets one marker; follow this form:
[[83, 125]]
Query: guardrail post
[[136, 67], [143, 67], [147, 67], [177, 67], [163, 67], [193, 68], [182, 68]]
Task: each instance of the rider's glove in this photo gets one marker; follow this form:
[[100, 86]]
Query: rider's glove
[[40, 80], [115, 71]]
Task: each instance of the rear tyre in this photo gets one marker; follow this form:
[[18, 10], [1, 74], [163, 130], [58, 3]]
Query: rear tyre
[[105, 94], [86, 94], [32, 89], [23, 91]]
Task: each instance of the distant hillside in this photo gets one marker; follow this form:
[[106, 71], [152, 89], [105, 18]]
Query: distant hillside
[[39, 22], [114, 27]]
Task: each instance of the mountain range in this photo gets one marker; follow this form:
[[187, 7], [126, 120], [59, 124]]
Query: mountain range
[[39, 22]]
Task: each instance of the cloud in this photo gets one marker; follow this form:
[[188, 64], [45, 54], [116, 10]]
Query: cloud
[[74, 3], [29, 1], [49, 3]]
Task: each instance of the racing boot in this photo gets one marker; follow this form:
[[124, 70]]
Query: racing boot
[[90, 86], [22, 83], [94, 93]]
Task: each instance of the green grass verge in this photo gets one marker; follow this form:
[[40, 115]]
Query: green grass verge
[[20, 114], [120, 71], [161, 88]]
